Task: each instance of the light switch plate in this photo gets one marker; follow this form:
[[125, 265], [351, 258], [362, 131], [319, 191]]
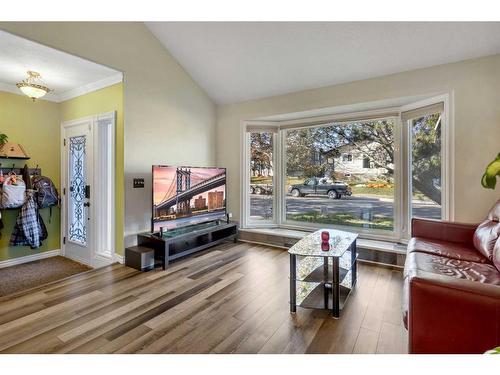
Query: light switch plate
[[138, 183]]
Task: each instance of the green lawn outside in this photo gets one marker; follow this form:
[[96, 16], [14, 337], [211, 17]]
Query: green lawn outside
[[384, 223], [387, 192]]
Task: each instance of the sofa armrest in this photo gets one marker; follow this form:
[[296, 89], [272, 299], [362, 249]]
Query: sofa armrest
[[443, 230], [449, 315]]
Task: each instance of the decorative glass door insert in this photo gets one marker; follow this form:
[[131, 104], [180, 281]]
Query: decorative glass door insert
[[77, 218]]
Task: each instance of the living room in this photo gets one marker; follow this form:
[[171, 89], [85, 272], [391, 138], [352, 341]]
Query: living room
[[324, 188]]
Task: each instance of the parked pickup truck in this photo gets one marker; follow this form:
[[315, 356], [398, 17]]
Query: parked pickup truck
[[320, 186]]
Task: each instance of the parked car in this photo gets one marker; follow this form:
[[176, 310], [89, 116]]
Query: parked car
[[261, 189], [320, 186]]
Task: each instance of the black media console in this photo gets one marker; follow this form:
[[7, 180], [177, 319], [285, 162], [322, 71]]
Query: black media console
[[178, 243]]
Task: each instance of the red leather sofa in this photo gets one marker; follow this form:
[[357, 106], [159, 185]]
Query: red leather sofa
[[451, 300]]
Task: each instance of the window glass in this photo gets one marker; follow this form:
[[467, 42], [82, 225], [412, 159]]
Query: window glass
[[350, 193], [261, 176], [426, 166]]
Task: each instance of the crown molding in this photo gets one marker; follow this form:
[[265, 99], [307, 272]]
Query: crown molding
[[90, 87], [70, 94]]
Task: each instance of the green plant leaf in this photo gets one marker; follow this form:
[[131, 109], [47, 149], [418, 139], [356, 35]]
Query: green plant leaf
[[494, 351], [3, 139], [489, 178]]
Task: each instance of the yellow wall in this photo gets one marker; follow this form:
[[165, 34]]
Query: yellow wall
[[475, 88], [35, 125], [105, 100]]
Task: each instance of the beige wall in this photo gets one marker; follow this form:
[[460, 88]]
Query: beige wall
[[168, 118], [476, 88]]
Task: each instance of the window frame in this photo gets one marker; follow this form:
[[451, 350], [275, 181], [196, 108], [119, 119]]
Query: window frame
[[402, 220], [447, 161], [245, 219]]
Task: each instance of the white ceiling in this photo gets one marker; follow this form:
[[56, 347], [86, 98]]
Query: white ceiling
[[235, 61], [67, 75]]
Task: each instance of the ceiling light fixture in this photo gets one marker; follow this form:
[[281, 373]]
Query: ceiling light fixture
[[33, 86]]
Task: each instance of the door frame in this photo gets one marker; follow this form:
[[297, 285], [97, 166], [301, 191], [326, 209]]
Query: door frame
[[101, 247]]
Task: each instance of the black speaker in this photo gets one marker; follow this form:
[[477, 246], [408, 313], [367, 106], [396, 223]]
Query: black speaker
[[139, 257]]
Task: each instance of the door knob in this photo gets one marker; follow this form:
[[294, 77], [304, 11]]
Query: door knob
[[86, 204]]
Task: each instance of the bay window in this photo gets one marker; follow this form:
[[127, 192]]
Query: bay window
[[368, 172]]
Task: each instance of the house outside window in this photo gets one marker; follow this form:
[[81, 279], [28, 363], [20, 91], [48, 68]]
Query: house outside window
[[347, 158], [366, 163]]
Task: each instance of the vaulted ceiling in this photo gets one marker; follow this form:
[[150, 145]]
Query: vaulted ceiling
[[238, 61]]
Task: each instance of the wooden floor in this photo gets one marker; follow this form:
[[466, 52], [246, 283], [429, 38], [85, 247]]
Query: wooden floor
[[233, 299]]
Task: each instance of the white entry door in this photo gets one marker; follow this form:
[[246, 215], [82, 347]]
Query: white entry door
[[77, 191], [88, 186]]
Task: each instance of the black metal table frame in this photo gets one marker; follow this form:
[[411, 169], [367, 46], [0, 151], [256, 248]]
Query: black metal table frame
[[334, 285]]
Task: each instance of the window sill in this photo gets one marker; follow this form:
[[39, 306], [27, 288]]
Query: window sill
[[375, 251], [362, 242]]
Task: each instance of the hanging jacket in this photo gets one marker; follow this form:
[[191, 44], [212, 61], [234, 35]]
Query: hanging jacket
[[30, 229], [25, 172]]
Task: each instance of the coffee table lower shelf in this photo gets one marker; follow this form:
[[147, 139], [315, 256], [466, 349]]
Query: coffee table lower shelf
[[320, 296]]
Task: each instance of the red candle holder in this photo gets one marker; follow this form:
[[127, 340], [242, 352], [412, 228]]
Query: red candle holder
[[325, 237]]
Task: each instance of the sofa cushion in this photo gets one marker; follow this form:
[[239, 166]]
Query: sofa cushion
[[451, 250], [461, 269], [496, 255], [487, 233], [494, 214]]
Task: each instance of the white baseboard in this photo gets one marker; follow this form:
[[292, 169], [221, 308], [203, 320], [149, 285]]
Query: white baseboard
[[78, 259], [119, 258], [102, 261], [29, 258]]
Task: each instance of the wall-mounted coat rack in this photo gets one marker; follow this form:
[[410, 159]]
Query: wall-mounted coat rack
[[19, 170]]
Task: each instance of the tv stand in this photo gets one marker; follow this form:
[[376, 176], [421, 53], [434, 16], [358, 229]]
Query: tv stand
[[177, 243]]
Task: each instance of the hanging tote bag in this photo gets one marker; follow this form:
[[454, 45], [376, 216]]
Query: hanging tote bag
[[13, 190]]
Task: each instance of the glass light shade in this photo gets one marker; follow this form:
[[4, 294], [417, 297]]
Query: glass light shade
[[33, 92], [33, 86]]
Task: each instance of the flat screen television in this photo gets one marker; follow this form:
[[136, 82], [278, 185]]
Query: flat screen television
[[185, 196]]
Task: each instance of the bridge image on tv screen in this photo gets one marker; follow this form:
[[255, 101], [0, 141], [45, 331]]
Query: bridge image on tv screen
[[187, 195]]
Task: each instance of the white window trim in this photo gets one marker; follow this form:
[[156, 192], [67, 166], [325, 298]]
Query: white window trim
[[245, 174], [401, 224]]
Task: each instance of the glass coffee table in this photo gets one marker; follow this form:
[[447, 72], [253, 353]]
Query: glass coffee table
[[322, 279]]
